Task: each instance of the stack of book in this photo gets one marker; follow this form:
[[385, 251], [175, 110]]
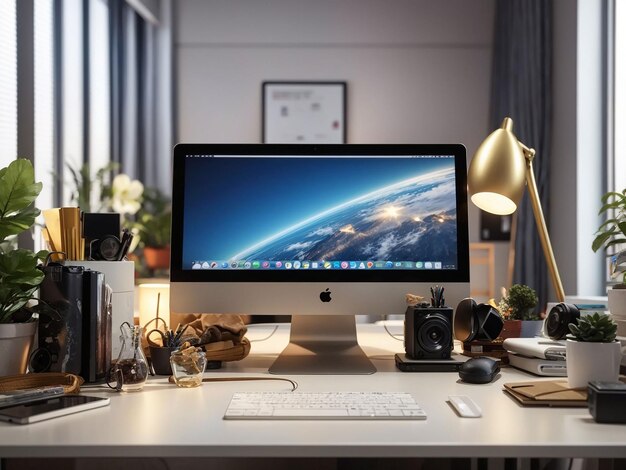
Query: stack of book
[[540, 356]]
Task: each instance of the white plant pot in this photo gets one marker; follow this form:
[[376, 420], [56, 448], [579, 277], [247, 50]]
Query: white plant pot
[[617, 303], [592, 361], [16, 341]]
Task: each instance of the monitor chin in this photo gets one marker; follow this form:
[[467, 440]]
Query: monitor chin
[[304, 298]]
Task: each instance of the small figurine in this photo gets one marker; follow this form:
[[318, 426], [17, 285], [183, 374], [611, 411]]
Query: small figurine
[[412, 300]]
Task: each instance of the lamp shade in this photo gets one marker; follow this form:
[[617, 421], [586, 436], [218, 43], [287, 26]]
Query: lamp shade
[[148, 299], [497, 173]]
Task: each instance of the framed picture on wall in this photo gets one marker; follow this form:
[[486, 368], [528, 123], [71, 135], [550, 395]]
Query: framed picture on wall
[[495, 227], [304, 112]]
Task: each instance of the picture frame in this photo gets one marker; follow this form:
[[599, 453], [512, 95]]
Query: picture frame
[[304, 112]]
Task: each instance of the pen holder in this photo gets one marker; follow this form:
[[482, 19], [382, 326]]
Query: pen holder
[[160, 357]]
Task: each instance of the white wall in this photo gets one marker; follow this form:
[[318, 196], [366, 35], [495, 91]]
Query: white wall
[[418, 71]]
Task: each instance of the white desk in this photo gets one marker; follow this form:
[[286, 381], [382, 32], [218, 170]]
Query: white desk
[[164, 421]]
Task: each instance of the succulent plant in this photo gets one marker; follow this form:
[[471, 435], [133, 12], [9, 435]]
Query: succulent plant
[[594, 328]]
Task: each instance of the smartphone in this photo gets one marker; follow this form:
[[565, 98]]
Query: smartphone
[[50, 408]]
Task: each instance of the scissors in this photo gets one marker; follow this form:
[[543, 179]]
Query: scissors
[[169, 338]]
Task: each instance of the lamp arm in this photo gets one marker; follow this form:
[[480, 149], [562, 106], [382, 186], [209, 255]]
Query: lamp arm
[[541, 224]]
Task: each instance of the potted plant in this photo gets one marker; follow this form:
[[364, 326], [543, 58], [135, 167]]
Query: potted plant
[[152, 226], [517, 308], [610, 236], [592, 353], [19, 276]]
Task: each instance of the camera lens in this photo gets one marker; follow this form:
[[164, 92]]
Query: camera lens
[[109, 248], [559, 318], [434, 334], [105, 249]]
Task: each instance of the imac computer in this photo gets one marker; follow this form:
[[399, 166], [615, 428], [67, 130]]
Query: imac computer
[[319, 232]]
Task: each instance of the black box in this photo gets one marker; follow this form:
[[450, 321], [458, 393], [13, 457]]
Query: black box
[[428, 333], [607, 401], [74, 334]]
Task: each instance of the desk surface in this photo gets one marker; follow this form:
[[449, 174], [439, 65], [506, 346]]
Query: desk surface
[[165, 421]]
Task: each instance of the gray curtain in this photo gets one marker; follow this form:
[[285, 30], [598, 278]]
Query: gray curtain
[[521, 89], [141, 93]]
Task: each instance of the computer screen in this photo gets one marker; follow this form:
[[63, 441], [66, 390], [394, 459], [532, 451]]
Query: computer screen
[[316, 229]]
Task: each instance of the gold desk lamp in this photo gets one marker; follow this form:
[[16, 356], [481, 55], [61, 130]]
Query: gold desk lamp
[[496, 177]]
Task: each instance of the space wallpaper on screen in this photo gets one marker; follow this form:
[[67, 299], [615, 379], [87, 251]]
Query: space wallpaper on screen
[[277, 209]]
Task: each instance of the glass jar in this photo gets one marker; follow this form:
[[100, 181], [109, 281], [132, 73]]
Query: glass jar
[[130, 371], [188, 367]]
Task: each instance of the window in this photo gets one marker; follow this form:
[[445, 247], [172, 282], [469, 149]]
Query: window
[[72, 91], [8, 83], [44, 100], [619, 94], [99, 86]]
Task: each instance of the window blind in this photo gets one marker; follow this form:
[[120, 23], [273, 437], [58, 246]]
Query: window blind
[[8, 83]]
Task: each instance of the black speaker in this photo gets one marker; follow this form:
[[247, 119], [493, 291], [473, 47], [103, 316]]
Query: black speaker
[[559, 318], [428, 333], [476, 321]]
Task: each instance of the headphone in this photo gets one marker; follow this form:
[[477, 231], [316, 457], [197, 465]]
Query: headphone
[[558, 320], [476, 321]]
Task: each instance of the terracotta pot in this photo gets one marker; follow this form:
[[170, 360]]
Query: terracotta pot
[[16, 341], [521, 328], [157, 257], [511, 329]]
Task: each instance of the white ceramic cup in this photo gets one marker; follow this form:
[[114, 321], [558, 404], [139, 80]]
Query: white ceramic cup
[[592, 361]]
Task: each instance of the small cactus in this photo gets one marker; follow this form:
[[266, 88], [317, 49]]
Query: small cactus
[[594, 328]]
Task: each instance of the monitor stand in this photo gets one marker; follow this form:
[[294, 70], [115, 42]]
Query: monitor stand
[[323, 345]]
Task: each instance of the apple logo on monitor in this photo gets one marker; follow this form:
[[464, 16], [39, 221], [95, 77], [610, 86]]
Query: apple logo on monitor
[[325, 296]]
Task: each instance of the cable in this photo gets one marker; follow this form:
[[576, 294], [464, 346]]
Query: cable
[[267, 337], [396, 337]]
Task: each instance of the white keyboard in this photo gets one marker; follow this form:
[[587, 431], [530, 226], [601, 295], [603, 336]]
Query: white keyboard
[[324, 405]]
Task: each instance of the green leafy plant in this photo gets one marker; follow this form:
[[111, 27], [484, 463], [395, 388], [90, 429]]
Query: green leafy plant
[[612, 233], [19, 275], [594, 328], [85, 184], [153, 220], [519, 303]]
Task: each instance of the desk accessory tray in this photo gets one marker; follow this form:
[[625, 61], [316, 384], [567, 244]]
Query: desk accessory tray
[[230, 352], [546, 393]]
